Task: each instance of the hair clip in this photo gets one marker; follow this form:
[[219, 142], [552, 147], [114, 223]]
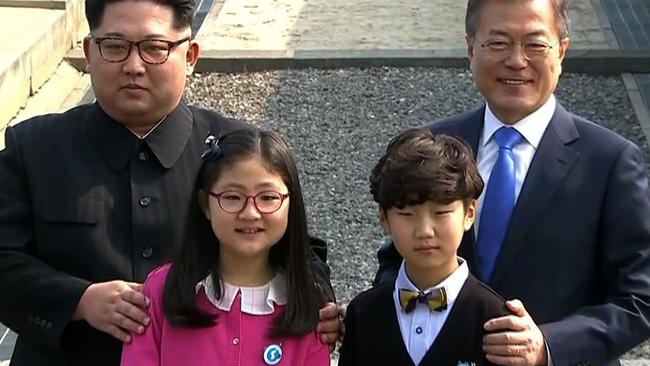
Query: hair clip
[[213, 151]]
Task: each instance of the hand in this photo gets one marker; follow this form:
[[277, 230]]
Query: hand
[[116, 307], [518, 340], [330, 327]]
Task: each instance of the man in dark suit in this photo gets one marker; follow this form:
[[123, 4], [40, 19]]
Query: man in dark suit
[[574, 245], [93, 199]]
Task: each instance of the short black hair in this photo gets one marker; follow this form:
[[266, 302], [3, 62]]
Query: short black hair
[[183, 11], [199, 254], [419, 166], [559, 8]]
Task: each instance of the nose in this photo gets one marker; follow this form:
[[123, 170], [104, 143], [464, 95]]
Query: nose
[[516, 58], [425, 228], [133, 65], [250, 211]]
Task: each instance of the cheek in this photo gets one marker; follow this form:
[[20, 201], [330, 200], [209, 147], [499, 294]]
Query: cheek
[[282, 220]]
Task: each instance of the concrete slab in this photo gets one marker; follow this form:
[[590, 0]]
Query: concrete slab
[[64, 89], [30, 59], [26, 62], [15, 86], [7, 342], [64, 85], [43, 4], [262, 25]]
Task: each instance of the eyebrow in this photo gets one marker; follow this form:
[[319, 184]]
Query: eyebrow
[[497, 32], [233, 185], [148, 36]]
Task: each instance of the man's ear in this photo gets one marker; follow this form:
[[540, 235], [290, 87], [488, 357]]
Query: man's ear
[[191, 57], [86, 47], [383, 221], [564, 47], [203, 203], [470, 215], [469, 41]]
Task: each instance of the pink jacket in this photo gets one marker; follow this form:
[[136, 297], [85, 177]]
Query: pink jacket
[[237, 338]]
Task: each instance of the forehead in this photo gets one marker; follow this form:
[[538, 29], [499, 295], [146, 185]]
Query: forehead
[[431, 206], [137, 18], [517, 17], [250, 173]]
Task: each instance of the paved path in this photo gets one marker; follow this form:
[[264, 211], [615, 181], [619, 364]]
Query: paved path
[[281, 25], [630, 20]]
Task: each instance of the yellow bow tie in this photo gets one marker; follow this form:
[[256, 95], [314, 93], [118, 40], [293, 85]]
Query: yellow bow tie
[[436, 299]]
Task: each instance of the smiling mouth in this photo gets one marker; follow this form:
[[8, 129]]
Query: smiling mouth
[[513, 82], [249, 230]]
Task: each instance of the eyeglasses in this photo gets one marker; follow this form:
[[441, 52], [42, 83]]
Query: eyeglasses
[[499, 50], [265, 202], [151, 51]]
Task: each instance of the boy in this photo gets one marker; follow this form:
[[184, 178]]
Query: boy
[[433, 314]]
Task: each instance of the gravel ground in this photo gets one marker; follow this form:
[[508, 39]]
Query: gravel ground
[[338, 122]]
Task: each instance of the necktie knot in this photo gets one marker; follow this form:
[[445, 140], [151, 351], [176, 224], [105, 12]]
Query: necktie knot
[[507, 137], [436, 299]]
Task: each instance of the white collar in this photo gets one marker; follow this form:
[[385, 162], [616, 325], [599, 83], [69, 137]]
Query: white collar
[[531, 127], [453, 283], [254, 300], [148, 133]]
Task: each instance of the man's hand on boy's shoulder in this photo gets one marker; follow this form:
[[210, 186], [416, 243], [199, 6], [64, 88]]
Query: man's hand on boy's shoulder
[[516, 339]]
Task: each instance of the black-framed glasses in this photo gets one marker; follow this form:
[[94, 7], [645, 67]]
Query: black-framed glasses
[[265, 202], [151, 51], [501, 49]]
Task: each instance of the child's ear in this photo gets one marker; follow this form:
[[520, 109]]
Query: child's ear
[[203, 203], [383, 221], [470, 215]]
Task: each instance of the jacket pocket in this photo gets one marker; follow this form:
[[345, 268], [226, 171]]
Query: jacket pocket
[[80, 211]]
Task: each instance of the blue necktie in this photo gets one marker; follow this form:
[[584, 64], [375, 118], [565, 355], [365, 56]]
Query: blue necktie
[[498, 203]]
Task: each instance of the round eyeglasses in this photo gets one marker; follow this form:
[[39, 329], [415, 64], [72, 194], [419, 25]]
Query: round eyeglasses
[[500, 49], [265, 202], [151, 51]]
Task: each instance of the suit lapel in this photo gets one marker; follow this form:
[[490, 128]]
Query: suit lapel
[[470, 130], [552, 161]]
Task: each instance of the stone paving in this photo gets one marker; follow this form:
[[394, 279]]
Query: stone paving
[[630, 20]]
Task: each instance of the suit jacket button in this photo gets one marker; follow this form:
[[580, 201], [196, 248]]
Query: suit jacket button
[[147, 252], [145, 201]]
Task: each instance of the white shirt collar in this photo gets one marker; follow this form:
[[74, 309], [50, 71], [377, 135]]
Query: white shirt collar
[[148, 133], [531, 127], [254, 300], [453, 283]]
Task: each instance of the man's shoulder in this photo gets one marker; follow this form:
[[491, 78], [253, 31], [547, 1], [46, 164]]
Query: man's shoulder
[[214, 121], [452, 124], [589, 129], [72, 118]]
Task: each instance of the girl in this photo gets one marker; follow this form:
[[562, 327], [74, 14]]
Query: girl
[[240, 292]]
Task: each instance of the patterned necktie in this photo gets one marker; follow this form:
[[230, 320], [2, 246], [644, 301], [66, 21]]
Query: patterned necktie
[[498, 203], [436, 299]]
